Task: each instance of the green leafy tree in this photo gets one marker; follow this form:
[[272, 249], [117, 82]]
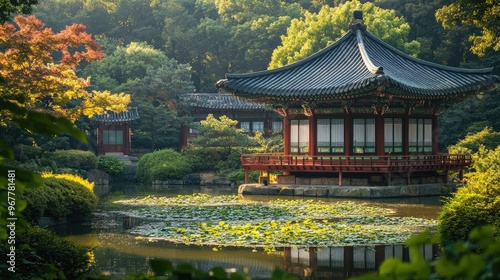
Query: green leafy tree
[[221, 132], [440, 46], [483, 14], [157, 128], [316, 31], [272, 144], [469, 117], [162, 85], [249, 10], [9, 7], [486, 138], [216, 37], [126, 66]]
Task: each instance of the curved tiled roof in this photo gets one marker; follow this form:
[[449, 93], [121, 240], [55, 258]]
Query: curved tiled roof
[[112, 117], [219, 101], [358, 63]]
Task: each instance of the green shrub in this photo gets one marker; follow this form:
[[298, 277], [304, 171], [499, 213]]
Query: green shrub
[[60, 196], [231, 162], [110, 165], [76, 159], [237, 177], [478, 202], [163, 165], [466, 211], [41, 254], [26, 153], [205, 159]]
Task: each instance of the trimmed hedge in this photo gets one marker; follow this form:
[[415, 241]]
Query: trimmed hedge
[[162, 165], [110, 165], [60, 196], [75, 159]]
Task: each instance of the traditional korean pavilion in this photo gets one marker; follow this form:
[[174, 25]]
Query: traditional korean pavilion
[[251, 116], [113, 132], [360, 108]]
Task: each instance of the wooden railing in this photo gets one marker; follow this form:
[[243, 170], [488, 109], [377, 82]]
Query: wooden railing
[[387, 163]]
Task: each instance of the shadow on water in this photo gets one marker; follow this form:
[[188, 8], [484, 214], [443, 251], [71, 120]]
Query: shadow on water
[[117, 252]]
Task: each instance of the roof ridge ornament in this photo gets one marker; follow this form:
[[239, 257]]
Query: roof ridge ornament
[[357, 21], [358, 26]]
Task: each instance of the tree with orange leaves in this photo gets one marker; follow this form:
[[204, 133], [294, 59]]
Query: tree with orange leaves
[[38, 68]]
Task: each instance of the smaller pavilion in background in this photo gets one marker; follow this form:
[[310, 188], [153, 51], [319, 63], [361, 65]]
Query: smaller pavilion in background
[[113, 133], [359, 112], [251, 116]]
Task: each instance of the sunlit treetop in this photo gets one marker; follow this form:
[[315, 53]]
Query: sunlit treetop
[[483, 14], [318, 30], [38, 68]]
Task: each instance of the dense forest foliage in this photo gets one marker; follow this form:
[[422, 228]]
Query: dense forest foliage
[[156, 49]]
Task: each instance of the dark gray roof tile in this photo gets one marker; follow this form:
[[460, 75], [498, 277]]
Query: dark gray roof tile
[[357, 63], [219, 101], [112, 117]]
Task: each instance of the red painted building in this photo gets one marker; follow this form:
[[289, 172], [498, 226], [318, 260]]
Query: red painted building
[[113, 133], [360, 108]]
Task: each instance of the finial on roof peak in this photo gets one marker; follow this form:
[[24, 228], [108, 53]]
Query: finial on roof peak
[[357, 20], [357, 14]]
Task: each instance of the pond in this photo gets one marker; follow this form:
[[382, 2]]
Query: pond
[[117, 251]]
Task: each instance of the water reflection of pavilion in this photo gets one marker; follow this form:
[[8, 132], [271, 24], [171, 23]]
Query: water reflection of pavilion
[[347, 261]]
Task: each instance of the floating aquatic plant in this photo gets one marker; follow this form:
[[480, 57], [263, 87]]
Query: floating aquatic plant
[[232, 221]]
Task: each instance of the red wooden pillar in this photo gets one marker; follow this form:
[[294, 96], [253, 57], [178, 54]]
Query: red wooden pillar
[[286, 138], [286, 135], [406, 128], [435, 134], [347, 134], [312, 135], [246, 176], [379, 135]]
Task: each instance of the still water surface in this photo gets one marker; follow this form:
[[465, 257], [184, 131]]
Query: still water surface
[[117, 252]]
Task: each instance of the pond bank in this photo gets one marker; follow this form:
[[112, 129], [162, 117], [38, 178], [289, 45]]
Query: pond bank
[[437, 189]]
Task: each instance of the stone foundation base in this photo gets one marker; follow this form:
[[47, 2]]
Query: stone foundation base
[[373, 180], [438, 189]]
